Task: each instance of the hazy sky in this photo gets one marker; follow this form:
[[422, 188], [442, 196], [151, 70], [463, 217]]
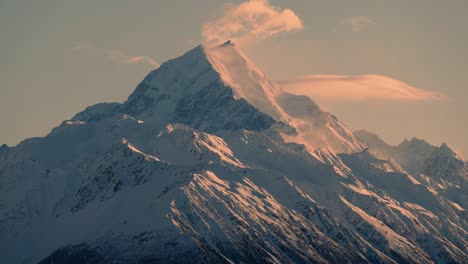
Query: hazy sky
[[57, 57]]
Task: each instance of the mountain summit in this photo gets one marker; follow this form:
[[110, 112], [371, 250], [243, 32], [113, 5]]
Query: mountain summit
[[208, 161], [219, 88]]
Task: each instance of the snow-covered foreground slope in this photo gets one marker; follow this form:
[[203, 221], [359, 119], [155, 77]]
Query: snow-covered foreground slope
[[210, 162]]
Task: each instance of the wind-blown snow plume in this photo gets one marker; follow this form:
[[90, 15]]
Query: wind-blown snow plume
[[356, 88], [250, 21]]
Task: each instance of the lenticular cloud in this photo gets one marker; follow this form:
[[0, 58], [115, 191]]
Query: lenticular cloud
[[356, 88], [248, 22]]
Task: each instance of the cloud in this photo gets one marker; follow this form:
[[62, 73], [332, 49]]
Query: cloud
[[358, 23], [248, 22], [356, 88], [120, 56], [115, 55]]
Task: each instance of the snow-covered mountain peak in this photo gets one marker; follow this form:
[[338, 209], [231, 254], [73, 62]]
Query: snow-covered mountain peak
[[445, 148], [196, 167], [440, 165], [414, 143], [189, 90], [208, 68], [220, 88], [446, 167]]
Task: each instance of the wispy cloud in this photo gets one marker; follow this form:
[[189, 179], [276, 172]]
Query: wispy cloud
[[356, 88], [249, 21], [120, 56], [115, 55], [358, 23]]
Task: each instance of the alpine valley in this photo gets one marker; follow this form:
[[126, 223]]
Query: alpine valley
[[208, 161]]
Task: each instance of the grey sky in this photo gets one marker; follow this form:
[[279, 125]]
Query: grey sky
[[57, 57]]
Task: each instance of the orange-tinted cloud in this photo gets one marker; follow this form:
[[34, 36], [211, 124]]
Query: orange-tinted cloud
[[356, 88], [358, 23], [249, 21], [115, 55]]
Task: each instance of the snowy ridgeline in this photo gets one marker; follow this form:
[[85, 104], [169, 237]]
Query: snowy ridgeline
[[210, 162]]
